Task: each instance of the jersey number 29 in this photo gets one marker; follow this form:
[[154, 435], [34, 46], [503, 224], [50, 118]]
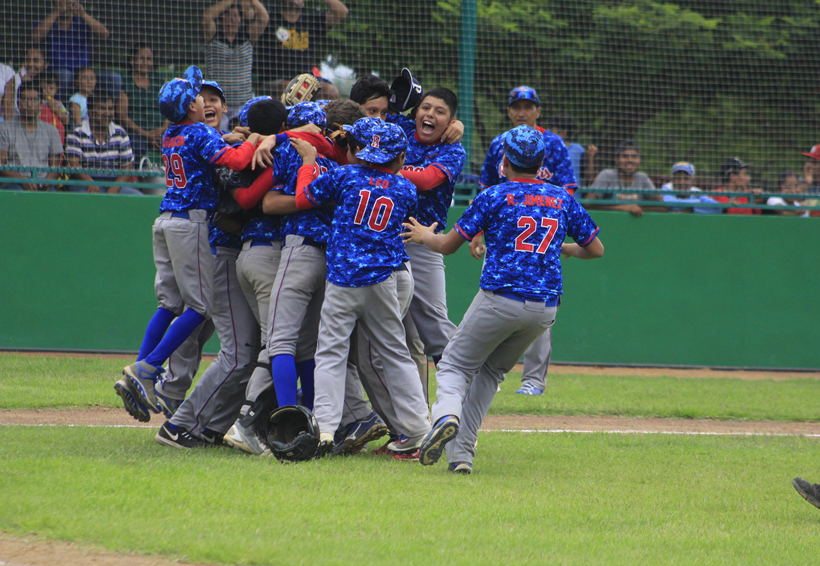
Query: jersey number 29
[[529, 225], [379, 216], [174, 171]]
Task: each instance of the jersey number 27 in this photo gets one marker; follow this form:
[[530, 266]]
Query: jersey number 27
[[379, 216], [529, 225]]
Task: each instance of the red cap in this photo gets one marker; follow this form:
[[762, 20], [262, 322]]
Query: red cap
[[814, 152]]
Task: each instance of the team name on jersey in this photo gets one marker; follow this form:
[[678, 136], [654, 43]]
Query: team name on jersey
[[176, 141], [535, 200]]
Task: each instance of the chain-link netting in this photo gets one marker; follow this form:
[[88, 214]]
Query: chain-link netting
[[697, 80]]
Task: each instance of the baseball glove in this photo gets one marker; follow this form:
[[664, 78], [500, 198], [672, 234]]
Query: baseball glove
[[293, 434], [301, 89]]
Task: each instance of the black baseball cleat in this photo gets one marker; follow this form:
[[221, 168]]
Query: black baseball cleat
[[809, 491], [212, 438], [443, 432], [179, 438]]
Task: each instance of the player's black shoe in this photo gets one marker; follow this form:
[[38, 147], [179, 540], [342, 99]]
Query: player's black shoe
[[213, 438], [358, 434], [179, 438], [809, 491]]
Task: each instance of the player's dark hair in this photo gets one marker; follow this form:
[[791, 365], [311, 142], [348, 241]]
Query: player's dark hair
[[562, 123], [516, 169], [445, 94], [98, 97], [353, 144], [392, 162], [342, 113], [369, 87], [266, 117], [221, 95]]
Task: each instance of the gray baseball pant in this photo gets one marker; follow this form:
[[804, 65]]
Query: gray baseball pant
[[429, 305], [376, 308], [215, 401], [537, 361], [294, 311], [492, 337]]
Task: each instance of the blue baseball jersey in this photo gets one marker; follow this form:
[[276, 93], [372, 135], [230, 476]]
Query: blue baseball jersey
[[313, 224], [556, 169], [189, 153], [257, 226], [434, 204], [524, 225], [371, 205]]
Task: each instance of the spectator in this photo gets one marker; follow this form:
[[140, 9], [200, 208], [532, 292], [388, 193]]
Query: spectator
[[53, 112], [288, 46], [787, 184], [231, 29], [26, 141], [66, 31], [734, 175], [33, 65], [583, 161], [137, 109], [86, 81], [101, 144], [6, 74], [683, 181], [624, 177], [811, 172]]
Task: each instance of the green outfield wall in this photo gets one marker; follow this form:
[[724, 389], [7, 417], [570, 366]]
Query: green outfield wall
[[678, 289]]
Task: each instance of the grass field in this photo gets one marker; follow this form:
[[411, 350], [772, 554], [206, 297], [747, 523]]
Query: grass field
[[533, 498]]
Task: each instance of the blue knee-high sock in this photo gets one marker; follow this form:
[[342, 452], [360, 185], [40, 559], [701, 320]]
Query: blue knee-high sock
[[305, 371], [283, 368], [175, 336], [156, 330]]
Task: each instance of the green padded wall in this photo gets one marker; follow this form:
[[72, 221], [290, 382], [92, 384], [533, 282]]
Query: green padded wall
[[682, 289]]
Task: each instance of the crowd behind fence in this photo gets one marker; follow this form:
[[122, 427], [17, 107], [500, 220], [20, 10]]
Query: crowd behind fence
[[692, 82]]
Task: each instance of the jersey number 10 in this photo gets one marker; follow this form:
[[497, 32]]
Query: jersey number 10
[[379, 216], [529, 225]]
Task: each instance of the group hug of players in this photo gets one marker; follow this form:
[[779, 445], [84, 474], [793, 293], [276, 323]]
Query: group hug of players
[[311, 240]]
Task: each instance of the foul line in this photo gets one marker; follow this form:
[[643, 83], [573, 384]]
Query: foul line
[[529, 431]]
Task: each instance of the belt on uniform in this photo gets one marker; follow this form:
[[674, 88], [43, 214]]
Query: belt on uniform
[[402, 267], [520, 299], [213, 250], [181, 214], [313, 243], [261, 243]]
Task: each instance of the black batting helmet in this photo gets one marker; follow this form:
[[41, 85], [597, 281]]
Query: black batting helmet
[[293, 433]]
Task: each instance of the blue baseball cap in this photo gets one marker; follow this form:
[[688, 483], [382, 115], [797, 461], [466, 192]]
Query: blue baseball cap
[[177, 95], [307, 113], [214, 85], [382, 141], [523, 93], [524, 146], [243, 114], [684, 166]]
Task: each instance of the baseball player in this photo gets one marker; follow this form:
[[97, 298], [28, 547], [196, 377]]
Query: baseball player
[[524, 108], [183, 364], [364, 259], [297, 292], [184, 283], [524, 221], [211, 408]]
